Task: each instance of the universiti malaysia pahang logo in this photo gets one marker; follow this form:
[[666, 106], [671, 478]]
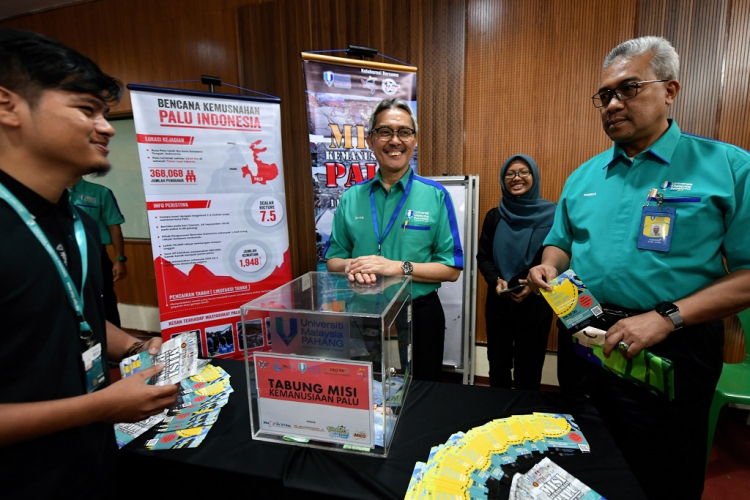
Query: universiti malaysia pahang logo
[[281, 329], [328, 77]]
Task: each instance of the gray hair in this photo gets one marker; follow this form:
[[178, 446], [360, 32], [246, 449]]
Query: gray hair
[[665, 63], [386, 104]]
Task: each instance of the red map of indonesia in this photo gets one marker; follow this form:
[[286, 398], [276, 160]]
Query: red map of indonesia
[[266, 172]]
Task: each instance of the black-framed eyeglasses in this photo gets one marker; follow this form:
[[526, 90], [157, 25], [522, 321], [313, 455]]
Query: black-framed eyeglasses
[[623, 92], [509, 176], [385, 133]]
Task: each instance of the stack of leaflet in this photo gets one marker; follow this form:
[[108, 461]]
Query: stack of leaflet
[[185, 424], [385, 398], [480, 464]]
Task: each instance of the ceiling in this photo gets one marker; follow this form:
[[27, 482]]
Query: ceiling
[[16, 8]]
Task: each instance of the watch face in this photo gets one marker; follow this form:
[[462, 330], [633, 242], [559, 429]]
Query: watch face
[[407, 267], [666, 308]]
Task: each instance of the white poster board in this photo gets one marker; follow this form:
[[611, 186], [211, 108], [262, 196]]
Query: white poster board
[[459, 298]]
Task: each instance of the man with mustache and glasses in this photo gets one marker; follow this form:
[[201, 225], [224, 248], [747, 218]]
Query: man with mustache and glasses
[[57, 404], [664, 290], [400, 223]]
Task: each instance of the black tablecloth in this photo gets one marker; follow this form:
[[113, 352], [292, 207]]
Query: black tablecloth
[[230, 462]]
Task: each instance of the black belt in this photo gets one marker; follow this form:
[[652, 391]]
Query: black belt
[[423, 298], [616, 313]]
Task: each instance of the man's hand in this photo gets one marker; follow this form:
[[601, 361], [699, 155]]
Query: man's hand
[[152, 346], [119, 271], [131, 399], [366, 268], [540, 276], [637, 332]]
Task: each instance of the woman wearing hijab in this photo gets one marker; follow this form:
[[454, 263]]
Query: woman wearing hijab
[[518, 321]]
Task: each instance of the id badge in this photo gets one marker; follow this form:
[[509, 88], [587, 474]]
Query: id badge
[[92, 363], [657, 225]]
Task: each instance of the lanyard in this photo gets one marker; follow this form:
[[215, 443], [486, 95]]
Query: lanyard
[[76, 301], [395, 213]]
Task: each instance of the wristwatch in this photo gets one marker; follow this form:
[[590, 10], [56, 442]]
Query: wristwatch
[[407, 267], [670, 311], [121, 258]]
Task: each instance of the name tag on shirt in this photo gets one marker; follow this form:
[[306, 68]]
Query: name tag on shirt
[[94, 366], [657, 226]]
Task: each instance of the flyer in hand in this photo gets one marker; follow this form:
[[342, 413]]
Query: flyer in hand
[[186, 423], [571, 300], [179, 356]]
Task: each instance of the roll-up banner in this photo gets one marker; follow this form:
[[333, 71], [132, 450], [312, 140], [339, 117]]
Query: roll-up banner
[[213, 177], [341, 94]]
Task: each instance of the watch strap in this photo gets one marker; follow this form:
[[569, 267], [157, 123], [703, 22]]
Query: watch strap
[[671, 311]]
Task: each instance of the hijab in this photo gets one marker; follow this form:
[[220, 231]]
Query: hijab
[[524, 223]]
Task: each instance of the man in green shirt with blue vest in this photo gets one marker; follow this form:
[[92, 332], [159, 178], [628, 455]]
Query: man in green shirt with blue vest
[[645, 226], [99, 202], [400, 223]]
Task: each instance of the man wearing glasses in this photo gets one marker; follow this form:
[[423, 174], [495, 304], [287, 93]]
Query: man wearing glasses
[[399, 223], [668, 292]]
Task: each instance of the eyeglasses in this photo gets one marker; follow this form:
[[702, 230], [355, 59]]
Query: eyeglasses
[[623, 93], [509, 176], [385, 133]]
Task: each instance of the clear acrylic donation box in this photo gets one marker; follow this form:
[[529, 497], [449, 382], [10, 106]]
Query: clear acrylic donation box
[[329, 365]]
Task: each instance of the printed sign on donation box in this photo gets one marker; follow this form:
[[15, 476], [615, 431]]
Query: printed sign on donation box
[[320, 335], [307, 398]]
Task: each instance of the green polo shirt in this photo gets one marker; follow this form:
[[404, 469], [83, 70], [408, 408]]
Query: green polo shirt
[[600, 211], [99, 202], [424, 228]]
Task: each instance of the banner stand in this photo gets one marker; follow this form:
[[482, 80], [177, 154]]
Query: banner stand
[[213, 178]]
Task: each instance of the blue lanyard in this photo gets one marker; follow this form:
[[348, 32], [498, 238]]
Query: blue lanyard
[[76, 301], [395, 213]]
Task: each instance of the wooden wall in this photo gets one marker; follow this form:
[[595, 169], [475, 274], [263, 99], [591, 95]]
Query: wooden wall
[[495, 77], [139, 286], [141, 41]]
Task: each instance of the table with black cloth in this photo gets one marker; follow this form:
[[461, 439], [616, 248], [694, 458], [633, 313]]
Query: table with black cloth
[[229, 462]]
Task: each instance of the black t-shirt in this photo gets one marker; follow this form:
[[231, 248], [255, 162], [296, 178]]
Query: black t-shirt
[[40, 349]]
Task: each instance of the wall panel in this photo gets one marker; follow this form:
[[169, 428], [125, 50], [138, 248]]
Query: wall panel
[[142, 41], [139, 286]]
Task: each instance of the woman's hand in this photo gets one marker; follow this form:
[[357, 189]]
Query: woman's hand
[[501, 286], [519, 297]]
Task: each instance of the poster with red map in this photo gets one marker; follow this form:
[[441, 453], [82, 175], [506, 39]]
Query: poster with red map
[[213, 177]]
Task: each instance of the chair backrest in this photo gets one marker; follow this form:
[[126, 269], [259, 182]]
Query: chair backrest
[[744, 318]]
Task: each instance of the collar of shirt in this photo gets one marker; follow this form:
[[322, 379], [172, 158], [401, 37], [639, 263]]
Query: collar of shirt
[[378, 180], [662, 149], [35, 203]]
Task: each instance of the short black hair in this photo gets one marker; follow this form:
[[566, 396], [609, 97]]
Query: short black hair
[[31, 63]]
